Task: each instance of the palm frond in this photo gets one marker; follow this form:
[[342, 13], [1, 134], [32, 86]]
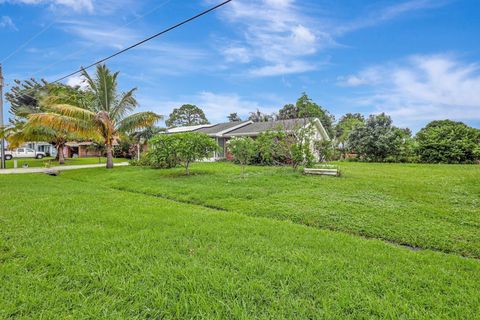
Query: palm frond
[[137, 121], [72, 111], [62, 122], [125, 105]]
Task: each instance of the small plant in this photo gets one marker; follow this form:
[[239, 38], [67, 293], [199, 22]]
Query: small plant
[[243, 150]]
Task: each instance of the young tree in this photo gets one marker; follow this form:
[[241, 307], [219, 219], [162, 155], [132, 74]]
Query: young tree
[[243, 149], [162, 152], [186, 115], [447, 141], [107, 117], [193, 146], [233, 117]]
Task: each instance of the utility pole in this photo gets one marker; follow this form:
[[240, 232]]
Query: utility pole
[[2, 140]]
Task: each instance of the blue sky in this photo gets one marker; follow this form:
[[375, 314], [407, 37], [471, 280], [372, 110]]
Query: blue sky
[[417, 60]]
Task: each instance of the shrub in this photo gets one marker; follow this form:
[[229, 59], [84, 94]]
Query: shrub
[[447, 141], [243, 150], [168, 151]]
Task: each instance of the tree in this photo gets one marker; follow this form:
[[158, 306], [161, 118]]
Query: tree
[[379, 140], [447, 141], [281, 147], [259, 116], [186, 115], [142, 137], [243, 149], [107, 116], [306, 108], [162, 152], [289, 111], [345, 125], [233, 117], [25, 100], [193, 146]]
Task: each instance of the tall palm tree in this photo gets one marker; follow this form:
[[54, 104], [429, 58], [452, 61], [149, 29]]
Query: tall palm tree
[[105, 119]]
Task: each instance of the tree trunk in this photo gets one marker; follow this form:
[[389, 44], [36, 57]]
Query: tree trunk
[[243, 171], [61, 157], [187, 168], [109, 156]]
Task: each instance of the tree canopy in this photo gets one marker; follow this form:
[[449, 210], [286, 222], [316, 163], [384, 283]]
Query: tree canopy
[[186, 115], [447, 141], [234, 117], [307, 108], [379, 140], [103, 116]]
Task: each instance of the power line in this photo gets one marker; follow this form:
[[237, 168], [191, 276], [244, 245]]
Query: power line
[[93, 44], [145, 40], [27, 42], [140, 42]]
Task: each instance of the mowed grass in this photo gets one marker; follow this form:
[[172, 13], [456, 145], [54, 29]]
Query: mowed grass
[[425, 206], [36, 163], [81, 250]]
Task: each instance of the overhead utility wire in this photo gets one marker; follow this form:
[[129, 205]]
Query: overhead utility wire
[[145, 40], [93, 44], [141, 42]]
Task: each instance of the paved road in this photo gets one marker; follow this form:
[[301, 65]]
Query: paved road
[[59, 168]]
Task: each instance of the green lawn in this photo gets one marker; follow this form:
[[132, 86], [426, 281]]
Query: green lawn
[[32, 163], [426, 206], [85, 249]]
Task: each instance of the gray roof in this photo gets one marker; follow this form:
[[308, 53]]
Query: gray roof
[[213, 130], [258, 127]]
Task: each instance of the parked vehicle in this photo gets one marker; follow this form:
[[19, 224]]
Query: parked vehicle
[[24, 153]]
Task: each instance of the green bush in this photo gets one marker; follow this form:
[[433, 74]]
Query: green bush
[[447, 141], [171, 150]]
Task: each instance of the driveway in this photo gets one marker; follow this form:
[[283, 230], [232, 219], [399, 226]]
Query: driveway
[[59, 168]]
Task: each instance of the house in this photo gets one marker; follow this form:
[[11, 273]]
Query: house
[[222, 132]]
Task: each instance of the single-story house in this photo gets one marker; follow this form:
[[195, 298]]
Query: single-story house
[[222, 132]]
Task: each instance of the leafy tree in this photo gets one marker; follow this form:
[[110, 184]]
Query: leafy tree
[[306, 108], [162, 152], [233, 117], [26, 100], [345, 125], [107, 116], [289, 111], [378, 140], [259, 116], [447, 141], [243, 150], [271, 150], [281, 147], [186, 115], [193, 146]]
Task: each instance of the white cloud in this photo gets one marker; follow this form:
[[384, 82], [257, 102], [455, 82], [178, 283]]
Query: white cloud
[[375, 17], [424, 88], [7, 22], [279, 38], [217, 106], [77, 80], [275, 33], [77, 5]]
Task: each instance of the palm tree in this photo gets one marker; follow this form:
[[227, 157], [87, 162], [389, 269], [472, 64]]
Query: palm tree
[[20, 130], [143, 136], [105, 119]]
